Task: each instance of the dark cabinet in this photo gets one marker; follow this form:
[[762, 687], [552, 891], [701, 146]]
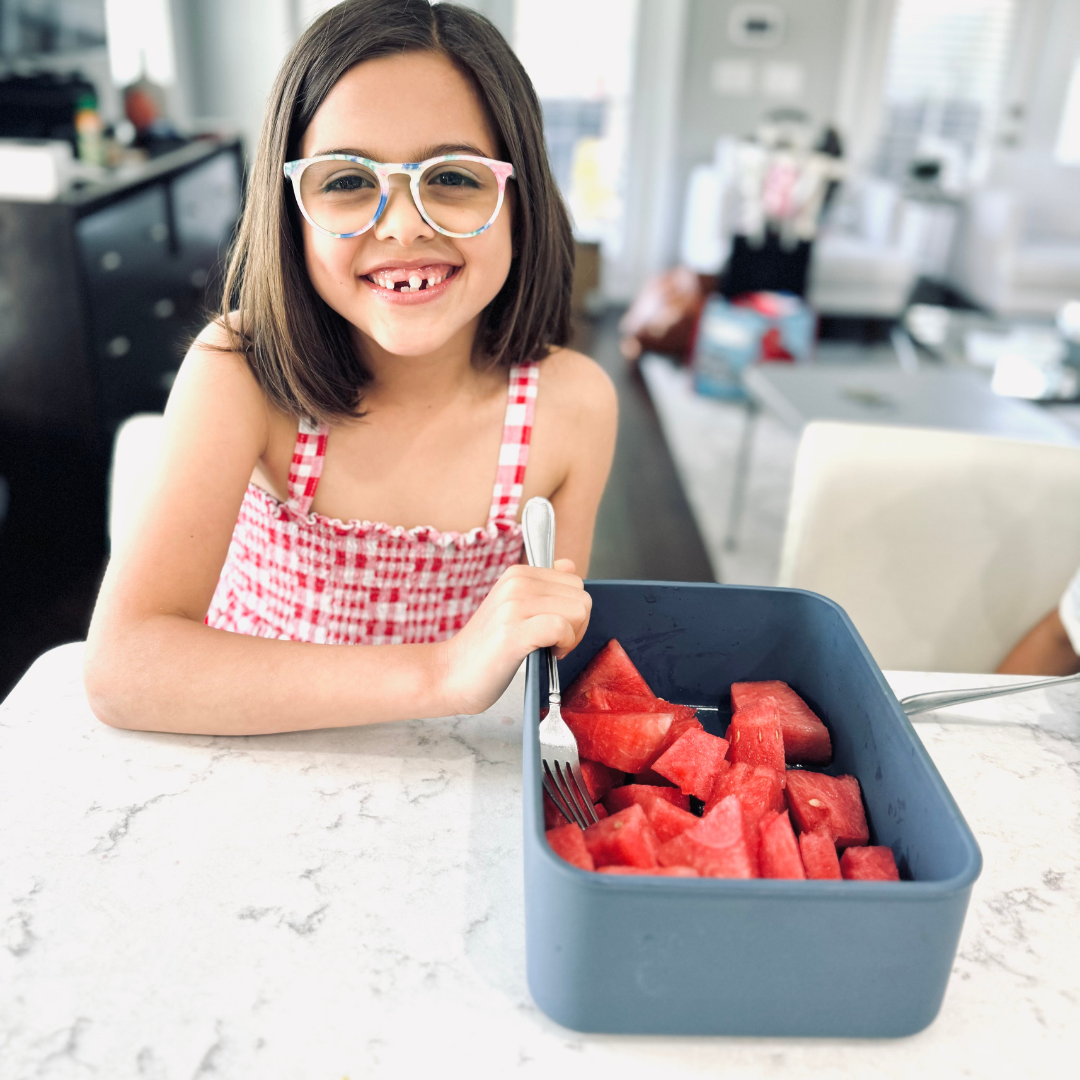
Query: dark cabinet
[[105, 290], [100, 294]]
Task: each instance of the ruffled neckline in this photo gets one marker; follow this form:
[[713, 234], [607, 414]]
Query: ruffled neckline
[[421, 534]]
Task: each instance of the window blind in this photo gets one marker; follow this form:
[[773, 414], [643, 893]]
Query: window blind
[[944, 72]]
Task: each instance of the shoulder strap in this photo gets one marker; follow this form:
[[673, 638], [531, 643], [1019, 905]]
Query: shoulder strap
[[306, 467], [514, 452]]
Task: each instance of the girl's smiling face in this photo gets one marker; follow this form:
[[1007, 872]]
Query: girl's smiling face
[[407, 108]]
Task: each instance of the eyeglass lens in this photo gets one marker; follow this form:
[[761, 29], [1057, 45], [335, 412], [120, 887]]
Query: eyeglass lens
[[343, 196]]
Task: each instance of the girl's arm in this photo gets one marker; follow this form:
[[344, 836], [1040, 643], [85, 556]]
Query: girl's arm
[[1044, 650], [577, 417], [152, 663]]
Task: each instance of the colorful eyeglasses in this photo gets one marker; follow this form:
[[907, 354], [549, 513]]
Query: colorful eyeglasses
[[459, 195]]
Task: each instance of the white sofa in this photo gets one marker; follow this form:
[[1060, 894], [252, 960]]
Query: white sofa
[[859, 265], [1003, 267]]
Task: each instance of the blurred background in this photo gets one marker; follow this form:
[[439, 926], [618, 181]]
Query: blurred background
[[788, 215]]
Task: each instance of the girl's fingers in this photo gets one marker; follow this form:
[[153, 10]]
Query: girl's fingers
[[552, 631], [565, 566]]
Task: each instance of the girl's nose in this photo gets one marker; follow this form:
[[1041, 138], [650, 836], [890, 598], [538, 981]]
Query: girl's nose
[[400, 219]]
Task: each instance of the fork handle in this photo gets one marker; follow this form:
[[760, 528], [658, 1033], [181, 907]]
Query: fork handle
[[538, 526], [554, 692], [942, 699]]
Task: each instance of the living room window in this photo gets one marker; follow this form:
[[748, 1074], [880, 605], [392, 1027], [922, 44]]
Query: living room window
[[942, 85], [1067, 150]]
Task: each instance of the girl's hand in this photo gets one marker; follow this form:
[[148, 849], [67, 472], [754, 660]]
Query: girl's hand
[[528, 609]]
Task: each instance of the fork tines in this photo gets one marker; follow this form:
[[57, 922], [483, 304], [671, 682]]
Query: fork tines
[[568, 791]]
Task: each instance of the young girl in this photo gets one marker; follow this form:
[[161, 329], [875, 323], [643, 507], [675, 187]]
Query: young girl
[[347, 448]]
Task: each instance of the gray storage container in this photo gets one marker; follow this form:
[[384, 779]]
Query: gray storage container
[[711, 956]]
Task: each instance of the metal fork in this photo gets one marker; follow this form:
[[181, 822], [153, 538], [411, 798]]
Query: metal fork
[[942, 699], [559, 759]]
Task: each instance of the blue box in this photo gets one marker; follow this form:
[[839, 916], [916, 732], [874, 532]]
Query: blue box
[[730, 337], [685, 956]]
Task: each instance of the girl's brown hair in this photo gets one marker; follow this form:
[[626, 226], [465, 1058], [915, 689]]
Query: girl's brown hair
[[302, 352]]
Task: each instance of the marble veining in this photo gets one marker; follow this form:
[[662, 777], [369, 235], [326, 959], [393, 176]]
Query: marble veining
[[349, 903]]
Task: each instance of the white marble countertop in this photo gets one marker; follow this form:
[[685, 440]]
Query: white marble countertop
[[349, 903]]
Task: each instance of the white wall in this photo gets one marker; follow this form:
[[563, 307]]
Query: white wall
[[1047, 44], [228, 54], [678, 115]]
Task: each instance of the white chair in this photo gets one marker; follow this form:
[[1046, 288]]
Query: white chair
[[136, 450], [943, 547]]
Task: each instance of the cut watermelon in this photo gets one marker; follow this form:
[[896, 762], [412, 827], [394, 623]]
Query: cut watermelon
[[623, 741], [759, 789], [819, 855], [755, 737], [622, 797], [869, 864], [655, 871], [599, 779], [623, 839], [553, 818], [832, 803], [609, 669], [693, 762], [806, 739], [600, 699], [716, 846], [668, 820], [568, 841], [778, 854]]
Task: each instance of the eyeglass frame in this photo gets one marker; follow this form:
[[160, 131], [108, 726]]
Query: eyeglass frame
[[503, 171]]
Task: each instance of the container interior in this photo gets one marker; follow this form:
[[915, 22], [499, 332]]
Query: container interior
[[691, 642]]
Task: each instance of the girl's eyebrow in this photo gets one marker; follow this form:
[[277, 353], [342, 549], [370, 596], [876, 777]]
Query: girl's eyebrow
[[430, 152]]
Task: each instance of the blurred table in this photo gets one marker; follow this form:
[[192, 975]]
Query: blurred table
[[348, 903], [954, 398], [883, 394]]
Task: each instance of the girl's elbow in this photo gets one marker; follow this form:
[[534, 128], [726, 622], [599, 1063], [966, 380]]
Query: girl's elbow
[[103, 682]]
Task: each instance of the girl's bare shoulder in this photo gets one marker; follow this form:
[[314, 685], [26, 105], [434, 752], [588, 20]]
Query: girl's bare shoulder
[[216, 381], [577, 388]]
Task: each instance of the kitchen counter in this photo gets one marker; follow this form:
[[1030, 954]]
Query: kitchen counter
[[349, 903]]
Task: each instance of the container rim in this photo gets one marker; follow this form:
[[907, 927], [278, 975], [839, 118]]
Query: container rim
[[907, 890]]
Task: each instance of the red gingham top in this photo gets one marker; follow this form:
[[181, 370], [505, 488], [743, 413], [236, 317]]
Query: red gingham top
[[294, 574]]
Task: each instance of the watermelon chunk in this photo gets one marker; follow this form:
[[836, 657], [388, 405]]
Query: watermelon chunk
[[716, 846], [755, 737], [599, 779], [622, 797], [758, 787], [806, 739], [623, 839], [655, 871], [609, 669], [819, 855], [600, 699], [668, 820], [778, 854], [626, 741], [832, 803], [553, 818], [869, 864], [693, 762], [568, 841]]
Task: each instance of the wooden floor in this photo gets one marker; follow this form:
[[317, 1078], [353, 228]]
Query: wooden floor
[[644, 530]]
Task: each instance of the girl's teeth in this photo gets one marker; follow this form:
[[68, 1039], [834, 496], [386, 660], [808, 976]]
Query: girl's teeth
[[415, 282]]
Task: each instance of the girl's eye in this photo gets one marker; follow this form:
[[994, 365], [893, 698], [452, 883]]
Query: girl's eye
[[452, 178], [346, 182]]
